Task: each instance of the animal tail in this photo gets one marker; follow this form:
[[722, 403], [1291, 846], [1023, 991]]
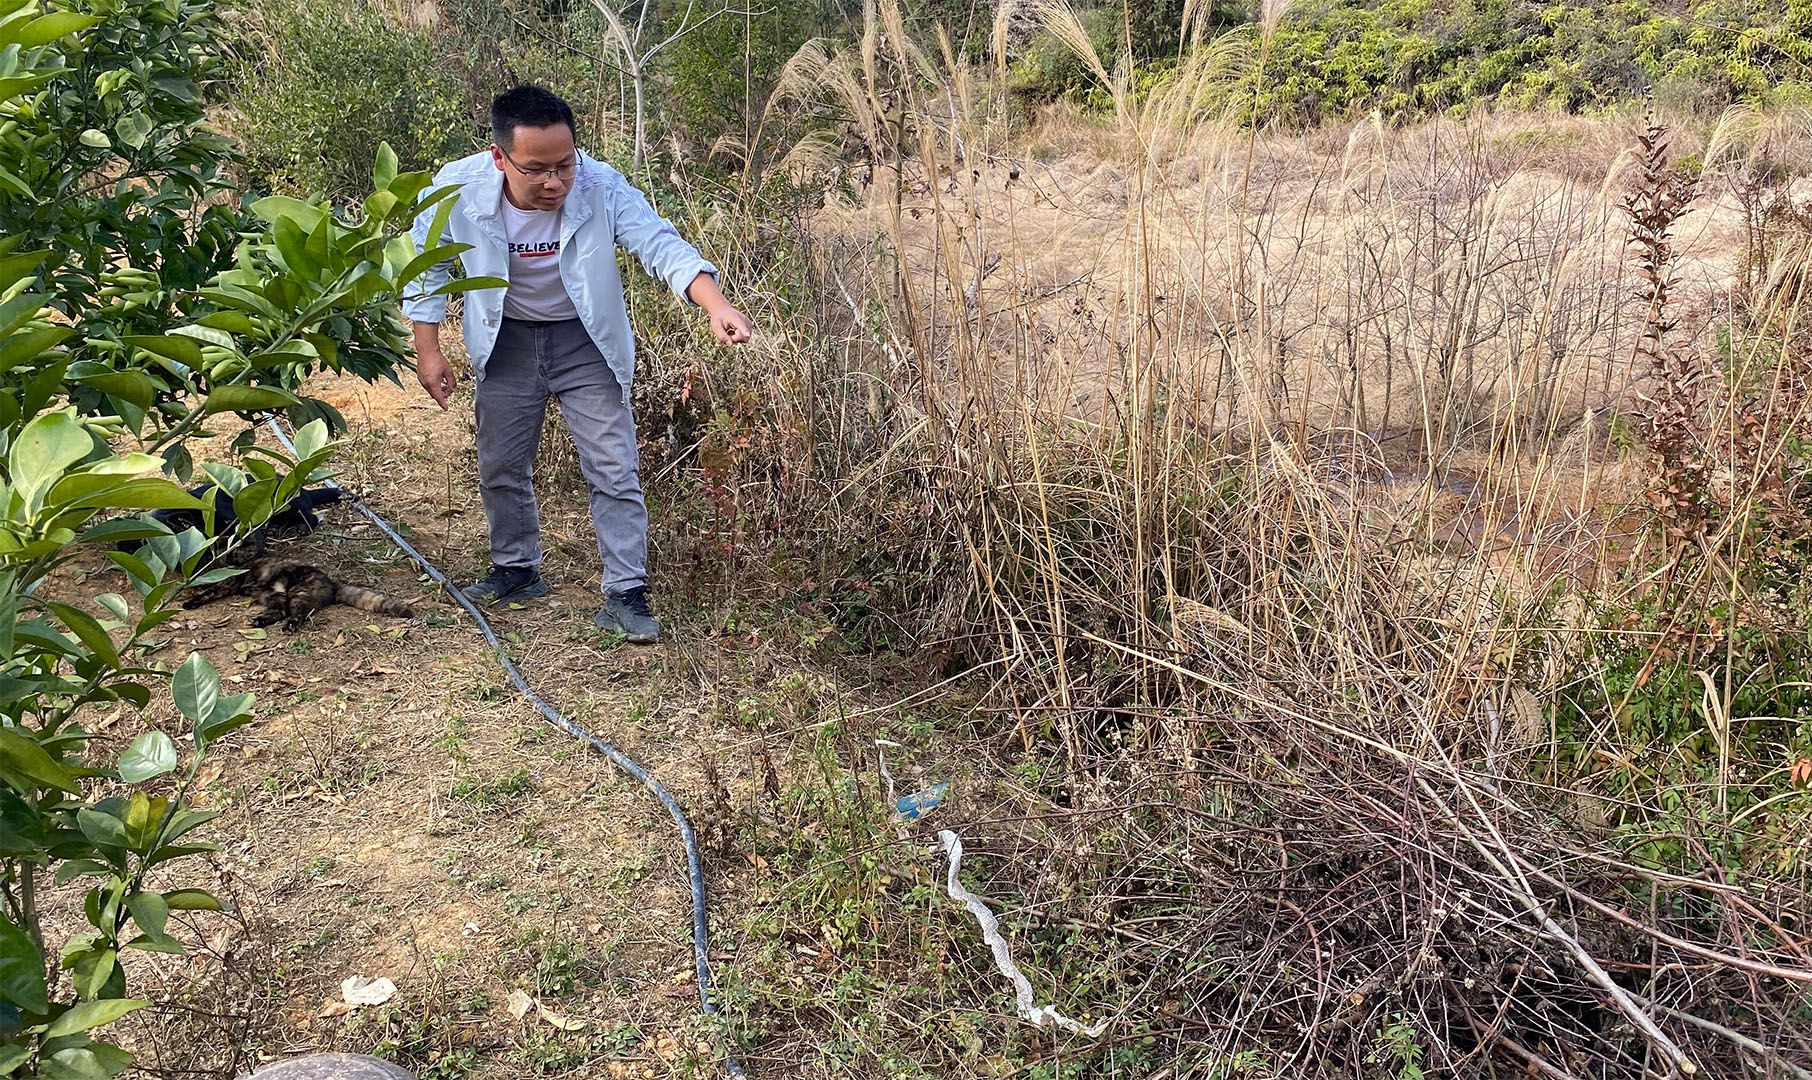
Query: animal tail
[[371, 600]]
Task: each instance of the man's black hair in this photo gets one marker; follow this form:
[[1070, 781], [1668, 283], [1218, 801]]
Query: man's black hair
[[528, 106]]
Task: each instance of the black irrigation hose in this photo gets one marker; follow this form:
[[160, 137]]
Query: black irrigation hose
[[694, 865]]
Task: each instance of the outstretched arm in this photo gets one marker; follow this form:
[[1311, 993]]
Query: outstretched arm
[[666, 255]]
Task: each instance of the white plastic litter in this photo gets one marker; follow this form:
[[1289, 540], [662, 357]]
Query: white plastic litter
[[1003, 957], [881, 748]]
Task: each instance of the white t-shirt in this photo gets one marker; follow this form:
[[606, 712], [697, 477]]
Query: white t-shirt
[[536, 292]]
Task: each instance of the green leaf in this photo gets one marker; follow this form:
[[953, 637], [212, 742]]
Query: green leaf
[[385, 170], [31, 345], [193, 900], [143, 815], [185, 821], [20, 310], [320, 240], [379, 205], [196, 688], [22, 758], [184, 350], [314, 409], [273, 208], [96, 1061], [178, 462], [165, 854], [418, 265], [235, 398], [21, 827], [97, 970], [310, 440], [48, 446], [133, 386], [76, 868], [235, 705], [292, 245], [22, 970], [460, 285], [183, 90], [233, 322], [132, 129], [18, 186], [92, 1014], [96, 138], [255, 503], [214, 729], [47, 28], [104, 830], [88, 629], [118, 529], [150, 912], [11, 1057], [166, 945], [115, 605], [151, 755], [144, 493]]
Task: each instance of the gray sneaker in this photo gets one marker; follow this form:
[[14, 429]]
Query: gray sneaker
[[506, 583], [628, 613]]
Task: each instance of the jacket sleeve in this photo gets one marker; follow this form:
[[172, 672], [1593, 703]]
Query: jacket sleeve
[[653, 240], [420, 306]]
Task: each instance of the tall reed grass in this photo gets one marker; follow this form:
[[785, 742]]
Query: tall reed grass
[[1401, 561]]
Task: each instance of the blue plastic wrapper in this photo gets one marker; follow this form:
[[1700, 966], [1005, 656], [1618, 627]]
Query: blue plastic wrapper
[[912, 806]]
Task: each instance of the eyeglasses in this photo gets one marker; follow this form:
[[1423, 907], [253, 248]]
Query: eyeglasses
[[558, 172]]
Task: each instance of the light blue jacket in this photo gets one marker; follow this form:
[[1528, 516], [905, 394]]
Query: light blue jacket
[[602, 211]]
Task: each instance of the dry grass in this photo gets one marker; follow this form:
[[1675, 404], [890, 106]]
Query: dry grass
[[1284, 490]]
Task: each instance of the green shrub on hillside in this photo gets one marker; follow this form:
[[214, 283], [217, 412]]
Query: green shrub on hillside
[[719, 75], [1411, 57], [330, 82], [1405, 58]]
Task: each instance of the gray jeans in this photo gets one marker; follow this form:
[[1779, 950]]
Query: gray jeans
[[531, 362]]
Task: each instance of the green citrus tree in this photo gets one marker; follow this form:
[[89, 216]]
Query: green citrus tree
[[140, 306]]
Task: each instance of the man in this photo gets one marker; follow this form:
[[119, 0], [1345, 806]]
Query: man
[[542, 215]]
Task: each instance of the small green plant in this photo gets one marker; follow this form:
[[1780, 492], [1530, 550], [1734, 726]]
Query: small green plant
[[453, 1065], [559, 962], [1399, 1050], [493, 792]]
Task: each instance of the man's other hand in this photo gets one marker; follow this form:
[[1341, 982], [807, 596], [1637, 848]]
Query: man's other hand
[[730, 326], [436, 376]]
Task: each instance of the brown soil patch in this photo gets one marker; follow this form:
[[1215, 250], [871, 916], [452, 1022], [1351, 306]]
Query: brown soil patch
[[399, 811]]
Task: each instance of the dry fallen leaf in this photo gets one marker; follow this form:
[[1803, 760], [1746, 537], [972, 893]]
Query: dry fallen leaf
[[519, 1004], [358, 990], [666, 1046], [564, 1023], [336, 1008]]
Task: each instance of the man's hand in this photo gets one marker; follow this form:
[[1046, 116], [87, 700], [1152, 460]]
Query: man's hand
[[431, 367], [436, 375], [730, 326]]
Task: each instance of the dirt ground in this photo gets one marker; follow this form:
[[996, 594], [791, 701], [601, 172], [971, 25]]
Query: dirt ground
[[398, 811]]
